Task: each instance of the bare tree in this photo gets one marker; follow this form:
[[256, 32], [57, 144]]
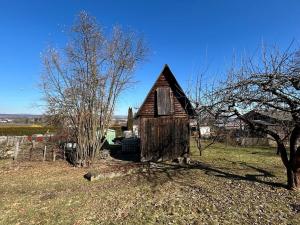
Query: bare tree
[[206, 110], [82, 82], [270, 82]]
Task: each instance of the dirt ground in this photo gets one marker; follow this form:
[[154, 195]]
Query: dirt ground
[[227, 185]]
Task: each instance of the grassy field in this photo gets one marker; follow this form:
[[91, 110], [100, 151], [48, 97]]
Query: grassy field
[[20, 130], [227, 185]]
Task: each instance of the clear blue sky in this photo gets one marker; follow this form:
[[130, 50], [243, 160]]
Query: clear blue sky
[[187, 35]]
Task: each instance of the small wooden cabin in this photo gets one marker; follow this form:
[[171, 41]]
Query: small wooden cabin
[[164, 120]]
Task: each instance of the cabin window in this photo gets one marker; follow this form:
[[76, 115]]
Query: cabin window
[[164, 101]]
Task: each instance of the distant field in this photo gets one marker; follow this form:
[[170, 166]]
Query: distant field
[[20, 130], [228, 185]]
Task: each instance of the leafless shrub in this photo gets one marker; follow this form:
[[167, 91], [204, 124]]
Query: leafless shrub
[[82, 83]]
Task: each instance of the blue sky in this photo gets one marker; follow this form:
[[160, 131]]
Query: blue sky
[[187, 35]]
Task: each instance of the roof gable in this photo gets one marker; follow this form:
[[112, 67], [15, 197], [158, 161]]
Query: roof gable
[[166, 78]]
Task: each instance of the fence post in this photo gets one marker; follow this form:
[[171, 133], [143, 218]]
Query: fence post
[[6, 141], [16, 151], [64, 151], [44, 155], [31, 149], [54, 154]]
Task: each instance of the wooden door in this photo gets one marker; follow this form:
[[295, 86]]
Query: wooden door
[[164, 138]]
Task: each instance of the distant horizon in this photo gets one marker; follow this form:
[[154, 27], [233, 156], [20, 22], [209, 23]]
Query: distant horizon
[[30, 114]]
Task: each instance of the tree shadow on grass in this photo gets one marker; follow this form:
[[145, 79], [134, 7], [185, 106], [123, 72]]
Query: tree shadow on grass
[[266, 153], [247, 177], [262, 172], [157, 173]]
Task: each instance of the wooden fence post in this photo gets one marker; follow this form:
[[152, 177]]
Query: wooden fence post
[[6, 141], [16, 151], [44, 155], [31, 149], [54, 154], [64, 151]]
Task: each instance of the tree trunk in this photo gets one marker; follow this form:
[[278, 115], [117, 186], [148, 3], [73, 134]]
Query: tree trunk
[[297, 179], [198, 138], [296, 170], [290, 179], [294, 164], [293, 179], [293, 171]]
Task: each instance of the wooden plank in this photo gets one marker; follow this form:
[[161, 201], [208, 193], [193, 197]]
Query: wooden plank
[[163, 101]]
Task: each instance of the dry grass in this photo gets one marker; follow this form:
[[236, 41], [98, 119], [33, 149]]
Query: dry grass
[[229, 186]]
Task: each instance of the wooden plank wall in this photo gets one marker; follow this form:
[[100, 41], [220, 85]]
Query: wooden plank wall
[[164, 138], [149, 108]]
